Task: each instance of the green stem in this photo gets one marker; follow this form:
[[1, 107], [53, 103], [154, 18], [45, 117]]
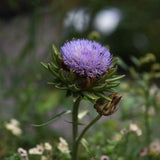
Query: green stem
[[147, 125], [75, 127], [76, 140], [86, 128]]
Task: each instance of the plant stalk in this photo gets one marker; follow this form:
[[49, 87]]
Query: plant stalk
[[87, 127], [147, 125], [75, 128]]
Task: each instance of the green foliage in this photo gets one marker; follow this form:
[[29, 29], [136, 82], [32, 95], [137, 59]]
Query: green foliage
[[15, 156]]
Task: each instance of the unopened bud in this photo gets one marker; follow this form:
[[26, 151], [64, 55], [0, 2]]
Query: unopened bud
[[107, 108]]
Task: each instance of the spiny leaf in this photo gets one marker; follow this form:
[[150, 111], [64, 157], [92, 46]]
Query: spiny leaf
[[102, 95], [52, 119], [99, 88], [115, 78], [62, 75], [110, 90], [109, 74], [54, 66], [51, 83], [73, 87], [44, 65], [59, 86], [90, 96], [55, 50], [50, 67], [55, 54], [113, 84]]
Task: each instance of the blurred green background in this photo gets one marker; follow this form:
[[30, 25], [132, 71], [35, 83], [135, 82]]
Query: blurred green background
[[27, 31]]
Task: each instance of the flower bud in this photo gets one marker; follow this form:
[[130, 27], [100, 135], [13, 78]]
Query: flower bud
[[107, 108]]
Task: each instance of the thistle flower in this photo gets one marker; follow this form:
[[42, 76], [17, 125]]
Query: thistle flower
[[84, 68], [86, 58]]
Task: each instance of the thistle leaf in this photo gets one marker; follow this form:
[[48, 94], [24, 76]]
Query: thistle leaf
[[110, 90], [114, 78], [55, 50], [90, 96], [102, 95], [60, 86], [61, 73], [73, 87], [113, 84], [99, 88], [51, 83], [54, 66], [50, 67], [108, 75], [44, 65], [52, 119]]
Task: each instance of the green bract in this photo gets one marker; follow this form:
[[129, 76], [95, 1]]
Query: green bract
[[76, 85]]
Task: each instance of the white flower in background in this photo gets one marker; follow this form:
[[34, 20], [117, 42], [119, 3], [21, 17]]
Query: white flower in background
[[117, 137], [38, 150], [139, 132], [14, 127], [22, 152], [154, 147], [107, 20], [15, 122], [104, 158], [47, 146], [123, 131], [144, 151], [134, 128], [63, 146]]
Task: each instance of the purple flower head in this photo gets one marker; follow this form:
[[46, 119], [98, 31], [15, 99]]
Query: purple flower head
[[86, 58]]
